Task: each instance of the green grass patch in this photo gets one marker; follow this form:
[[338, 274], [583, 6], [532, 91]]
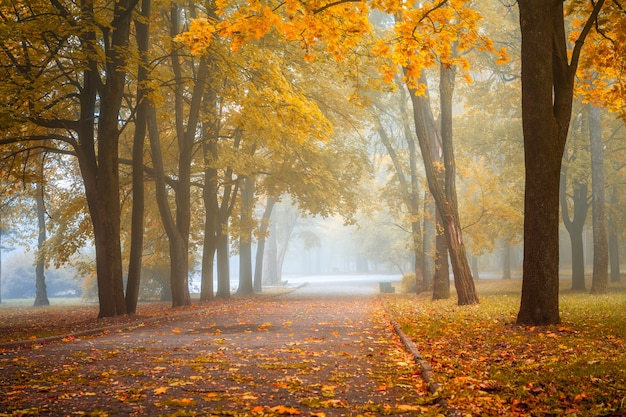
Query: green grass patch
[[488, 365]]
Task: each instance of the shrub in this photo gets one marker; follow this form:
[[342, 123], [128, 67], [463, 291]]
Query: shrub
[[408, 284]]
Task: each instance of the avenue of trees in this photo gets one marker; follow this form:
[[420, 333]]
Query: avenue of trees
[[165, 134]]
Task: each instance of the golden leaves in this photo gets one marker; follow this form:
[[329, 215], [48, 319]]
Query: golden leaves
[[421, 36], [284, 410], [199, 36]]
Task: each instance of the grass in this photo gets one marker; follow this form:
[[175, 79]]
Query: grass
[[490, 366]]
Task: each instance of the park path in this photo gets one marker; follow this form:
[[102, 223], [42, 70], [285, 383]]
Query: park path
[[296, 354]]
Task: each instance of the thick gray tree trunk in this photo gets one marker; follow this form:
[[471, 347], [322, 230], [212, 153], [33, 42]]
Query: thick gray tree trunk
[[600, 278]]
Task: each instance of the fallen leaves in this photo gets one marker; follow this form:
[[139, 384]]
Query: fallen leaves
[[283, 410], [489, 366], [307, 365]]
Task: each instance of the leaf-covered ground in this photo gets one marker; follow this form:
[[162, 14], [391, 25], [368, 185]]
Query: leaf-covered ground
[[261, 357], [20, 321], [490, 366]]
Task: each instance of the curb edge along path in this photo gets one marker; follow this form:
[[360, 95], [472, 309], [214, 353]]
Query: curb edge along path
[[426, 370]]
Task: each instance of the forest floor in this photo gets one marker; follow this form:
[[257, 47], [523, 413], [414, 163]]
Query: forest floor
[[294, 354], [265, 356], [488, 366]]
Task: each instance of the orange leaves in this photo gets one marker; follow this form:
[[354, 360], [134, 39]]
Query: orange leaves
[[200, 34], [284, 411], [431, 31], [485, 363]]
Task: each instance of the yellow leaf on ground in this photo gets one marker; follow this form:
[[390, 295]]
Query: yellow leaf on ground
[[406, 407], [160, 390], [283, 410]]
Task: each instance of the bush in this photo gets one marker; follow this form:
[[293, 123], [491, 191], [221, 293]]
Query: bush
[[408, 284]]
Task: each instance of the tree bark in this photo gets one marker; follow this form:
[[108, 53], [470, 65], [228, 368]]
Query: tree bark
[[211, 217], [260, 249], [547, 93], [441, 280], [100, 169], [544, 142], [600, 276], [575, 226], [223, 268], [41, 294], [246, 191], [445, 194], [270, 270], [410, 194], [428, 239], [613, 239], [506, 261], [179, 286], [136, 235]]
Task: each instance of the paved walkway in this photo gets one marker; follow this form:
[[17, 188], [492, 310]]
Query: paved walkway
[[298, 354]]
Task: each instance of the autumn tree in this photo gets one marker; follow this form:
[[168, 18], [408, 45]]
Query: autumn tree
[[548, 75], [602, 74], [66, 72]]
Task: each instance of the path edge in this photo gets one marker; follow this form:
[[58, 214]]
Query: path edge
[[426, 371]]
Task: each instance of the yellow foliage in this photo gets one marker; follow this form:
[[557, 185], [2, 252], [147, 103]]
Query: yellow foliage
[[421, 37]]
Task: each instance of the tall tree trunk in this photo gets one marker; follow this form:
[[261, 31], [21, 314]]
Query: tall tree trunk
[[445, 194], [246, 192], [575, 226], [414, 208], [223, 268], [100, 169], [270, 270], [463, 280], [441, 280], [613, 239], [260, 249], [179, 285], [544, 142], [41, 294], [289, 221], [185, 134], [547, 93], [212, 231], [506, 261], [600, 278], [136, 236], [409, 191], [428, 239], [475, 268]]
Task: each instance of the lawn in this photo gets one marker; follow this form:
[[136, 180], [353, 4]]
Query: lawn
[[488, 365]]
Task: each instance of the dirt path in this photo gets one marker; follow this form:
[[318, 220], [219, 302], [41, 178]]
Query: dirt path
[[287, 355]]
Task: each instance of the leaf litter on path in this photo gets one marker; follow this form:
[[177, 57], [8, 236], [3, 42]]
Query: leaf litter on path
[[279, 356]]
